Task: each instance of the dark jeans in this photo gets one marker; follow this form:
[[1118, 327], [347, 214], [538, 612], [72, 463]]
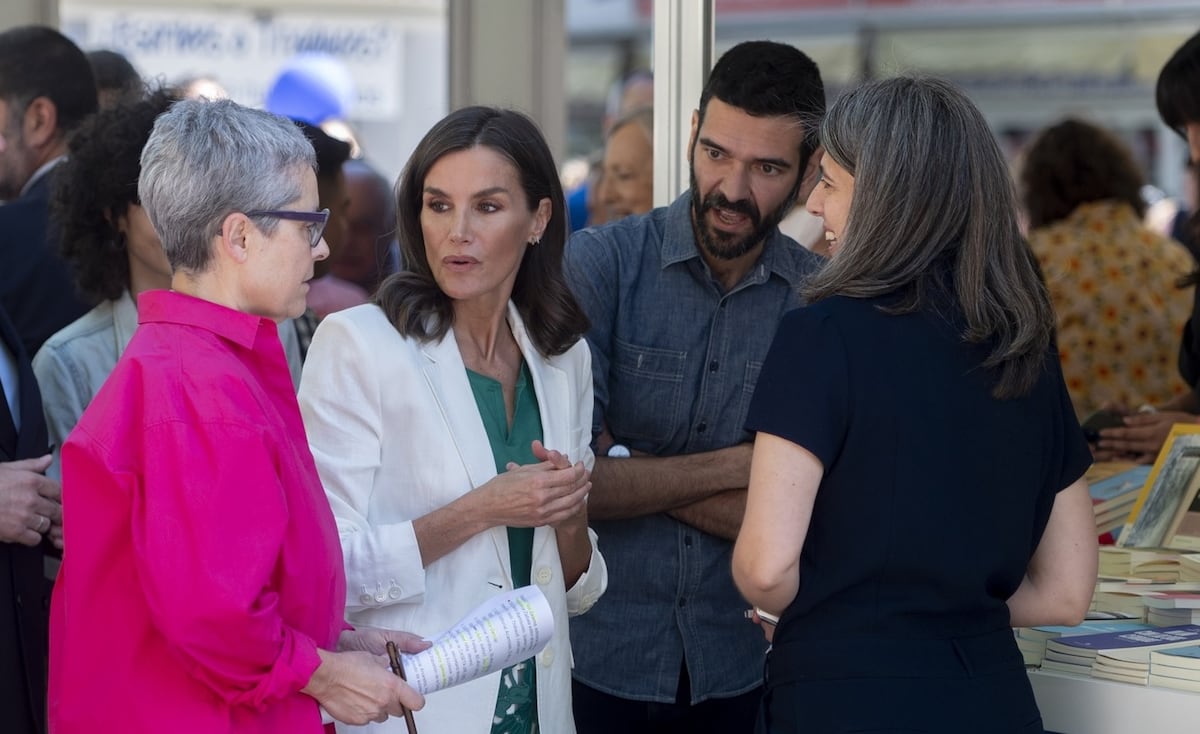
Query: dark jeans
[[600, 713]]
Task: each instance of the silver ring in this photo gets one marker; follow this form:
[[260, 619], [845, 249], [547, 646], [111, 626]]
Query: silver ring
[[43, 524]]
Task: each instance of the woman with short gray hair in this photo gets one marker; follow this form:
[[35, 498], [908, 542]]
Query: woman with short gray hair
[[205, 569]]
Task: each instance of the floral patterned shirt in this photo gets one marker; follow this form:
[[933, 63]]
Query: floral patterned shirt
[[1118, 310]]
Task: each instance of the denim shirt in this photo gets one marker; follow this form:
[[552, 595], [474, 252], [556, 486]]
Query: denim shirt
[[674, 360]]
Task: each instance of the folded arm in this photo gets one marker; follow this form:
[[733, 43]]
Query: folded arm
[[644, 485]]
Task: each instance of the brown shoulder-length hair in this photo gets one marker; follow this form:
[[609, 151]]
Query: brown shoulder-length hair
[[1075, 162], [412, 299]]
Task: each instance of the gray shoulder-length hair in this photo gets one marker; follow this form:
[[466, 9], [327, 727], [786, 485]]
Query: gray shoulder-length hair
[[933, 199], [205, 160]]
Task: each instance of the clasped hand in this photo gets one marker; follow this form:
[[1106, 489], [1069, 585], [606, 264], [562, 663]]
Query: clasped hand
[[531, 495]]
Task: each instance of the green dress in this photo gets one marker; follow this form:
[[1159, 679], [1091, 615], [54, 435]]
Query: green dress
[[516, 702]]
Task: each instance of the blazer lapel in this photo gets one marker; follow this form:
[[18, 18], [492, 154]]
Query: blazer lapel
[[32, 438], [554, 402], [446, 376]]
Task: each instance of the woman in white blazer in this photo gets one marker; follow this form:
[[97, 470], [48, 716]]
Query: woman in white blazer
[[468, 363]]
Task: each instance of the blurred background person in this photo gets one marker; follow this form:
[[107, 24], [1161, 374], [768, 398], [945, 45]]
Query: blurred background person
[[626, 184], [634, 92], [802, 226], [1177, 95], [369, 250], [328, 292], [116, 79], [583, 204], [319, 89], [928, 266], [46, 91], [445, 417], [200, 86], [1113, 281], [205, 569], [30, 516], [115, 255], [1180, 227]]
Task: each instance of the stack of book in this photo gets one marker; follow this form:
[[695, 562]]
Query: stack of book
[[1123, 656], [1162, 605], [1031, 641], [1145, 564], [1114, 488], [1172, 607], [1189, 567], [1177, 667]]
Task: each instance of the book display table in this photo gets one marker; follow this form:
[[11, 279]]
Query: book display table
[[1077, 705]]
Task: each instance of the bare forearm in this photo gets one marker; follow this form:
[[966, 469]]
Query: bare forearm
[[574, 549], [644, 485], [1061, 577], [446, 528], [720, 515], [773, 598], [1034, 605]]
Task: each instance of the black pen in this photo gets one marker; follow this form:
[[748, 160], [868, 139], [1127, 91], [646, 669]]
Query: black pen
[[398, 669]]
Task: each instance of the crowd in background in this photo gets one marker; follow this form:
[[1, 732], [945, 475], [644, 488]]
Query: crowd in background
[[271, 411]]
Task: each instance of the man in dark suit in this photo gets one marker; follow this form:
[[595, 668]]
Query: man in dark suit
[[30, 519], [46, 90]]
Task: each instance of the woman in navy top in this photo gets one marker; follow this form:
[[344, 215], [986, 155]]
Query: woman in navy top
[[917, 479]]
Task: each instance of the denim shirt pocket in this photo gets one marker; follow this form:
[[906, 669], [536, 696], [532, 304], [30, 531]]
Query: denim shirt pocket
[[749, 382], [644, 395]]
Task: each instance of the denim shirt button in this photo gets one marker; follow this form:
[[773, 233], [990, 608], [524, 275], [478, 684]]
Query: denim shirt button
[[702, 427], [682, 602]]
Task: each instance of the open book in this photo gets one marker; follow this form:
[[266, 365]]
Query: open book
[[502, 631]]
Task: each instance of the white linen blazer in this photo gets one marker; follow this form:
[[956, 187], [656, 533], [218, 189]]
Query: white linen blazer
[[396, 434]]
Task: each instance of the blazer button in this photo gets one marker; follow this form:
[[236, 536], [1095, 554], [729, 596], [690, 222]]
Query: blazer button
[[366, 599], [380, 597], [547, 657], [544, 575]]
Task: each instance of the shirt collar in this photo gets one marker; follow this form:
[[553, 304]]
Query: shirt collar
[[41, 172], [780, 254], [171, 307]]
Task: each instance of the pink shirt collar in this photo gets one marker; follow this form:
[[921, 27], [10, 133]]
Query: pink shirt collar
[[172, 307]]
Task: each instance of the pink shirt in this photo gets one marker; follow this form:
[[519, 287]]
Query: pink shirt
[[203, 567]]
